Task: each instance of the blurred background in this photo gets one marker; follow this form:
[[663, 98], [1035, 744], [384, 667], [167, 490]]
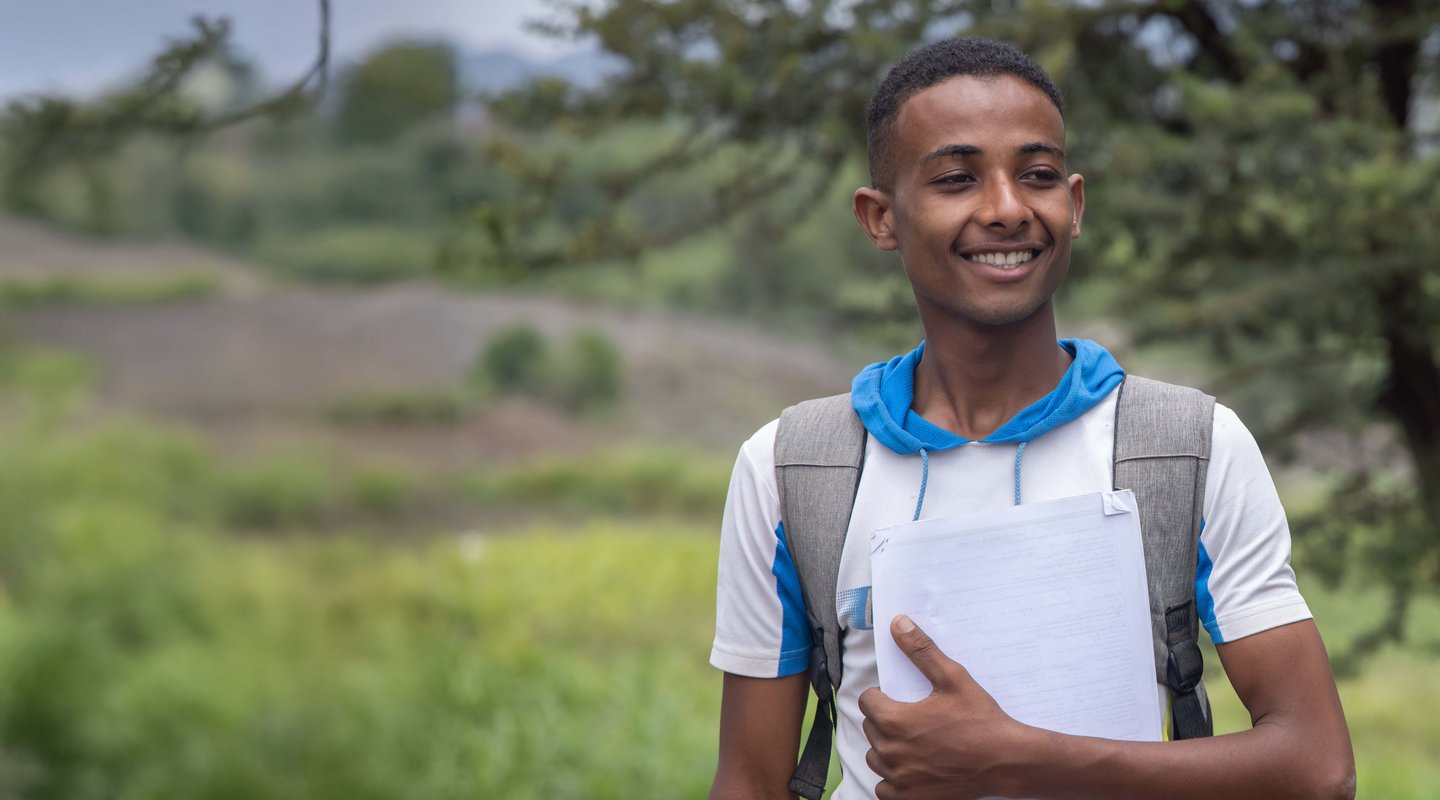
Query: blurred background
[[370, 375]]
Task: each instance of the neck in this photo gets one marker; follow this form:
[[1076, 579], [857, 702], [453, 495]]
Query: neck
[[973, 378]]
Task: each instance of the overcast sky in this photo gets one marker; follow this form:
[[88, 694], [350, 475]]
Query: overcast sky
[[78, 46]]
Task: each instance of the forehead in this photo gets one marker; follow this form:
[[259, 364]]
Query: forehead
[[995, 114]]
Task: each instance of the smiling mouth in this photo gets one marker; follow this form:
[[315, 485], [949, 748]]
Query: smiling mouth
[[1003, 260]]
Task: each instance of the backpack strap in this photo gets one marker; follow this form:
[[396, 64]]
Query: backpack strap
[[1162, 452], [819, 450]]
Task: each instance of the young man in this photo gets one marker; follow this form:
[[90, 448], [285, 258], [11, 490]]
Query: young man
[[970, 186]]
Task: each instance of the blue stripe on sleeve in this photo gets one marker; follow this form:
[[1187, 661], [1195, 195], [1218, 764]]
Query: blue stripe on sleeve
[[1204, 601], [795, 625]]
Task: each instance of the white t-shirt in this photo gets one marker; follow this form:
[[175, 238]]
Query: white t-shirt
[[1244, 584]]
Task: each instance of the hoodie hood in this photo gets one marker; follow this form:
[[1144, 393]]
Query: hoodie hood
[[883, 392]]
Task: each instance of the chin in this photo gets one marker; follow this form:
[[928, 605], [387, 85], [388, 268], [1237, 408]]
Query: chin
[[1002, 316]]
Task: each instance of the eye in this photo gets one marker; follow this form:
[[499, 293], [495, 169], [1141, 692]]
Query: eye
[[954, 178], [1044, 175]]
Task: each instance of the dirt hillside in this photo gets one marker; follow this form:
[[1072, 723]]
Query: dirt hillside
[[258, 363]]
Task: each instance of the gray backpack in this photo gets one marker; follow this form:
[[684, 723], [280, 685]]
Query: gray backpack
[[1162, 451]]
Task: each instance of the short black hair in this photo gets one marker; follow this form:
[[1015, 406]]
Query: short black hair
[[935, 63]]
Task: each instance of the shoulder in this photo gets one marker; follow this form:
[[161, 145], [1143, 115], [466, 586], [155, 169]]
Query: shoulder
[[1229, 438], [758, 452], [1157, 404], [1237, 467], [811, 428]]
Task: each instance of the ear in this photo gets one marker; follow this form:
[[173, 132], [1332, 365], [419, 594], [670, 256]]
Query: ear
[[872, 211], [1077, 201]]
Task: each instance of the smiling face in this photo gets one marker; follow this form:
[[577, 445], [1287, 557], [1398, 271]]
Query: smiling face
[[980, 206]]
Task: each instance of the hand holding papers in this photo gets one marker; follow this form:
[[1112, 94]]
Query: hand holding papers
[[1045, 604]]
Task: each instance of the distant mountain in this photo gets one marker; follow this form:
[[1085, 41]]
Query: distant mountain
[[500, 70]]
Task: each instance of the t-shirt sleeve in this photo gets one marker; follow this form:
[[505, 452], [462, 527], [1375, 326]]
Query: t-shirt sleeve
[[1243, 580], [761, 630]]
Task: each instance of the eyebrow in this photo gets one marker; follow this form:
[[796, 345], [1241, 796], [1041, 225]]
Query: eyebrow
[[1042, 147], [951, 150]]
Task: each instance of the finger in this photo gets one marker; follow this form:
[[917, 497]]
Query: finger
[[876, 764], [873, 702], [872, 733], [922, 651]]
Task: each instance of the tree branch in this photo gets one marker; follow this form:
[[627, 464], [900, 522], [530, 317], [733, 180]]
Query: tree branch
[[1396, 55], [45, 126], [1197, 21]]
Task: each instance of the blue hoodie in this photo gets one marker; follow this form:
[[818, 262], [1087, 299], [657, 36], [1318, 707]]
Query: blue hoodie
[[883, 392]]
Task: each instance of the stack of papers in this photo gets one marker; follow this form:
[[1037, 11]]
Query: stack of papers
[[1045, 604]]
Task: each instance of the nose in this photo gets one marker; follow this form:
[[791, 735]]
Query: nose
[[1001, 205]]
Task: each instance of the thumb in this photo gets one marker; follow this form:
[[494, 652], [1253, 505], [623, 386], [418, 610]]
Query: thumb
[[943, 673]]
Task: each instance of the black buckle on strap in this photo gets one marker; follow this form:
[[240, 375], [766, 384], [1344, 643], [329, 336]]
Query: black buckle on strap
[[1185, 666]]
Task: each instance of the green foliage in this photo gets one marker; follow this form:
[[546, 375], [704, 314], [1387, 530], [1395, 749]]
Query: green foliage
[[283, 194], [277, 493], [587, 376], [45, 132], [627, 482], [395, 89], [360, 254], [339, 669], [402, 408], [1273, 222], [513, 361], [214, 201], [148, 654], [86, 291], [122, 193]]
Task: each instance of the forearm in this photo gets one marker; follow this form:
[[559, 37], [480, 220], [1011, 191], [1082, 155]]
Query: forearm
[[1273, 760], [733, 786], [959, 743], [747, 787]]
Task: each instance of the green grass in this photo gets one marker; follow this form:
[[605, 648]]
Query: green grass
[[535, 664], [91, 291], [634, 481], [353, 254], [416, 408]]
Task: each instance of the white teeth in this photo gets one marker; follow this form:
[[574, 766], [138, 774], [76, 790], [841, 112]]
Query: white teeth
[[1003, 259]]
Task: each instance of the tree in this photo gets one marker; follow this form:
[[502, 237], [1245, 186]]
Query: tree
[[399, 87], [1258, 179], [41, 133]]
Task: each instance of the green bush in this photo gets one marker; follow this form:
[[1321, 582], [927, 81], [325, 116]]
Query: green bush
[[627, 482], [361, 254], [82, 291], [401, 408], [513, 361], [276, 493], [588, 377], [215, 202], [381, 491], [585, 377], [290, 493]]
